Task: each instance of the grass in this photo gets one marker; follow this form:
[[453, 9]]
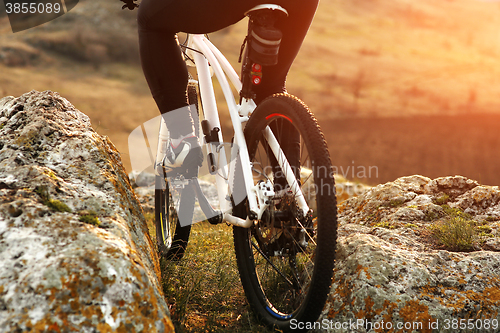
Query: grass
[[113, 108], [385, 224], [203, 290], [89, 217], [57, 205], [442, 199], [53, 204], [455, 233]]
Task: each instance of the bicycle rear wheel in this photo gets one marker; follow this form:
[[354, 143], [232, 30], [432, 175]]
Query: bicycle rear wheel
[[286, 259]]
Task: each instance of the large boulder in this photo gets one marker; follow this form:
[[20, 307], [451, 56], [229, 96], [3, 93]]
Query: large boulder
[[395, 274], [75, 253]]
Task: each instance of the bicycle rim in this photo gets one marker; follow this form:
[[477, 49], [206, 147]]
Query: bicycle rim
[[286, 258], [171, 238]]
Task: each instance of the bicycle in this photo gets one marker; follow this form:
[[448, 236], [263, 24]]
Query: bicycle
[[279, 197]]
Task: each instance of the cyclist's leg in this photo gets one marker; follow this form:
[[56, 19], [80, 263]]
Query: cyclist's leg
[[160, 20], [161, 58], [294, 29]]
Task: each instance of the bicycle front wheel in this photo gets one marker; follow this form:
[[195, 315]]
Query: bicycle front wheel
[[171, 237], [286, 258]]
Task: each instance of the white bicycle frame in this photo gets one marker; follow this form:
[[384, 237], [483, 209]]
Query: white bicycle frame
[[203, 52]]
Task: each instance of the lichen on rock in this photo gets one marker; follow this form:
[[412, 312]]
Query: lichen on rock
[[390, 272], [58, 272]]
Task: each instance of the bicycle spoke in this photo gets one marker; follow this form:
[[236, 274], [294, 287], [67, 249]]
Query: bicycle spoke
[[271, 263], [293, 265]]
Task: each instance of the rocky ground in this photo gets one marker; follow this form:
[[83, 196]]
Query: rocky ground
[[413, 255], [418, 255], [75, 252]]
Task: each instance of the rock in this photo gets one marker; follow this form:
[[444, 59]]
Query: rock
[[346, 189], [142, 179], [481, 200], [391, 276], [75, 253]]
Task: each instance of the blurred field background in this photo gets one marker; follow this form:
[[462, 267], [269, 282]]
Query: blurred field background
[[399, 87]]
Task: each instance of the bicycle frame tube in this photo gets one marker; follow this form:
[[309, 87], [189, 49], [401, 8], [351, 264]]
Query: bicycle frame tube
[[222, 68], [211, 114], [208, 53], [289, 174]]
